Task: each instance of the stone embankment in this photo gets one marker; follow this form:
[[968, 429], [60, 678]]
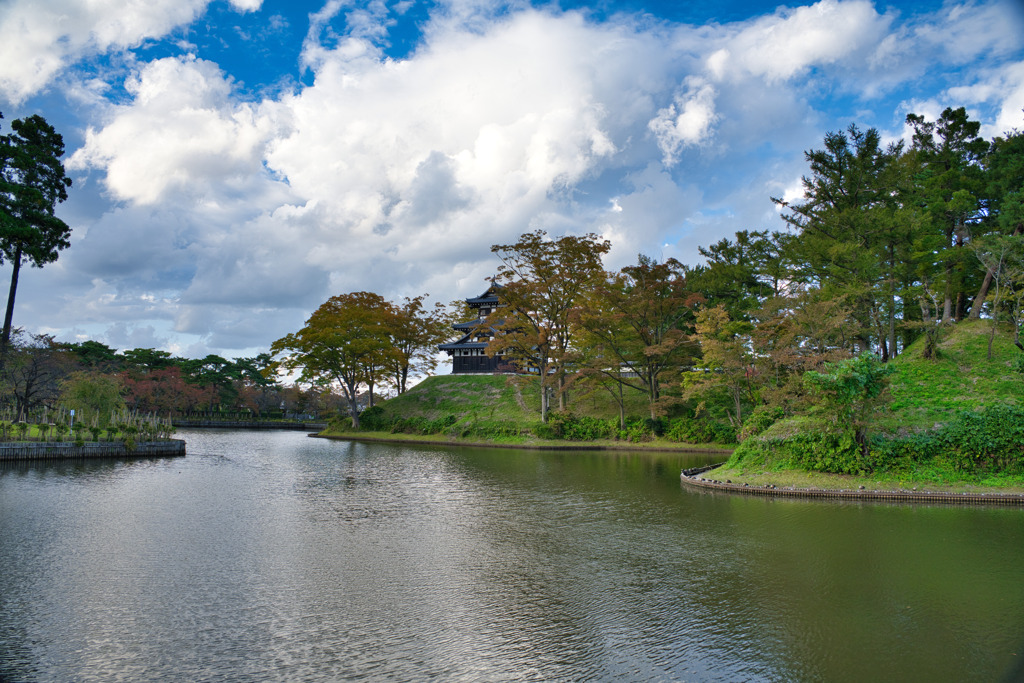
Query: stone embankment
[[697, 478], [67, 450]]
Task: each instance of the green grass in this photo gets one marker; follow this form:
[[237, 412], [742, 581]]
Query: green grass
[[513, 398], [925, 395], [530, 441], [929, 391], [490, 397], [931, 478]]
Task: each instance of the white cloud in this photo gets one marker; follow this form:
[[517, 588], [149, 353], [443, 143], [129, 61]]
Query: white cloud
[[232, 219], [38, 39], [181, 132], [687, 121], [787, 43]]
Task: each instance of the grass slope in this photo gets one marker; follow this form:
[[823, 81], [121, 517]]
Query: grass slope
[[503, 410], [491, 397], [929, 391], [926, 394]]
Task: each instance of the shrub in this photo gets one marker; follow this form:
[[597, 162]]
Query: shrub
[[375, 420], [587, 428], [637, 429], [761, 419], [699, 430]]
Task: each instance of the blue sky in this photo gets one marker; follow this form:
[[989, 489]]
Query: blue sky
[[236, 163]]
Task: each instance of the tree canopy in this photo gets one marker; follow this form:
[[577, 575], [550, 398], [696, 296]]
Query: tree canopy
[[32, 183]]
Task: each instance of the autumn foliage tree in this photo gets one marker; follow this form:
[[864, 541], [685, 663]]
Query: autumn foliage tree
[[415, 331], [636, 326], [543, 283]]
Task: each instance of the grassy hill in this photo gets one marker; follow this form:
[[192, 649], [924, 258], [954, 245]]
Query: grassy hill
[[506, 409], [961, 377], [956, 416]]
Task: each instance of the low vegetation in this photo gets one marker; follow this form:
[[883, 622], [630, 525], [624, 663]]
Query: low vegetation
[[951, 416], [504, 409]]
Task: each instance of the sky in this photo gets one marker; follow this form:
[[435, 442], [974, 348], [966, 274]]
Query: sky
[[238, 162]]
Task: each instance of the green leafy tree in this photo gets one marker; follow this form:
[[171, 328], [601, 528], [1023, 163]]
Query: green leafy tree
[[94, 354], [92, 394], [1004, 175], [950, 187], [853, 235], [743, 272], [851, 391], [32, 183], [148, 359], [344, 343], [726, 375]]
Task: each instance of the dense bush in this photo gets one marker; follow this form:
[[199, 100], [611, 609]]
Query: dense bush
[[487, 429], [699, 430], [761, 419], [973, 443], [375, 420]]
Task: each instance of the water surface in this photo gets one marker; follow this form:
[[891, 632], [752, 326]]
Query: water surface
[[270, 556]]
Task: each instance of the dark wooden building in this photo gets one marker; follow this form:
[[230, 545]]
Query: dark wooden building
[[468, 353]]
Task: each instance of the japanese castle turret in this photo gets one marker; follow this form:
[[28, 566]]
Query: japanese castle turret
[[469, 353]]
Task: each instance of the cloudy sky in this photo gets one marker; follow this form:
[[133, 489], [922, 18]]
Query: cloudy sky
[[237, 162]]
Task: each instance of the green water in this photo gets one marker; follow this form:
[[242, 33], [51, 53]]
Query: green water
[[271, 557]]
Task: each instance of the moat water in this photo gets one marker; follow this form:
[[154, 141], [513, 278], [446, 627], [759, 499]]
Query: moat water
[[271, 556]]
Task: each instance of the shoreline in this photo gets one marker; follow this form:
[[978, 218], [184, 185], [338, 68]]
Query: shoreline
[[23, 451], [694, 478], [537, 446]]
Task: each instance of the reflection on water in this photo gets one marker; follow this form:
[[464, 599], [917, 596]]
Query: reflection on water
[[272, 556]]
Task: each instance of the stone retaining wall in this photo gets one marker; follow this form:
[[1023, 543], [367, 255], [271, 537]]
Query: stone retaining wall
[[67, 450], [690, 478]]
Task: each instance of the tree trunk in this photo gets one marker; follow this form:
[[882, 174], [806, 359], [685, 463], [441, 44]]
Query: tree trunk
[[622, 409], [9, 316], [979, 299]]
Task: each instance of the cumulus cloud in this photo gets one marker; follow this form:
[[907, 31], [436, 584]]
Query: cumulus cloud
[[397, 175], [687, 121], [791, 41], [37, 39], [181, 131]]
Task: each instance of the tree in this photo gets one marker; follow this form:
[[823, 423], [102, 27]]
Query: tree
[[34, 371], [949, 188], [415, 333], [639, 321], [727, 365], [1004, 176], [163, 390], [543, 281], [32, 183], [742, 273], [93, 354], [148, 359], [852, 390], [92, 394], [345, 343], [853, 237], [1003, 258]]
